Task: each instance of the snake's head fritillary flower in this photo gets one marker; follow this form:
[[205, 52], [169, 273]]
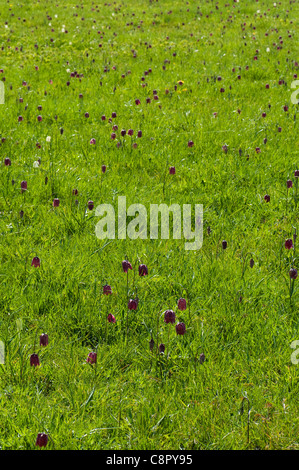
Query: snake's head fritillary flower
[[56, 202], [107, 290], [41, 439], [190, 143], [172, 170], [133, 304], [90, 205], [296, 174], [289, 184], [180, 328], [130, 132], [267, 197], [104, 168], [111, 318], [288, 244], [126, 265], [224, 244], [7, 161], [169, 316], [251, 262], [35, 262], [293, 273], [202, 358], [161, 348], [92, 141], [34, 360], [182, 304], [43, 339], [23, 185], [92, 358], [143, 271], [151, 344]]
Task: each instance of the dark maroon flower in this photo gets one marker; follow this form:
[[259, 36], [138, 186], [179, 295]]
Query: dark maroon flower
[[258, 150], [20, 118], [113, 136], [293, 273], [202, 358], [34, 360], [92, 141], [264, 115], [224, 244], [111, 318], [126, 265], [7, 161], [43, 339], [172, 170], [137, 102], [285, 108], [161, 348], [169, 316], [190, 143], [56, 202], [133, 304], [123, 132], [289, 184], [90, 205], [251, 262], [24, 185], [104, 168], [139, 134], [143, 271], [107, 290], [103, 117], [41, 439], [86, 115], [182, 304], [296, 174], [180, 328], [224, 148], [92, 358], [267, 198], [75, 192], [288, 244], [35, 262], [267, 86], [130, 132], [113, 115], [151, 344], [39, 118]]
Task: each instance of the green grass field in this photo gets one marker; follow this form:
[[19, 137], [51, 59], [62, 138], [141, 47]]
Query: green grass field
[[215, 69]]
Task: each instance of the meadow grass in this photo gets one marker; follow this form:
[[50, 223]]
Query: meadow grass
[[242, 318]]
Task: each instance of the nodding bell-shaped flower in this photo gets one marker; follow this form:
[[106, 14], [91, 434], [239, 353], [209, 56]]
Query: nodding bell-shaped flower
[[126, 265], [92, 358], [41, 439], [169, 316]]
